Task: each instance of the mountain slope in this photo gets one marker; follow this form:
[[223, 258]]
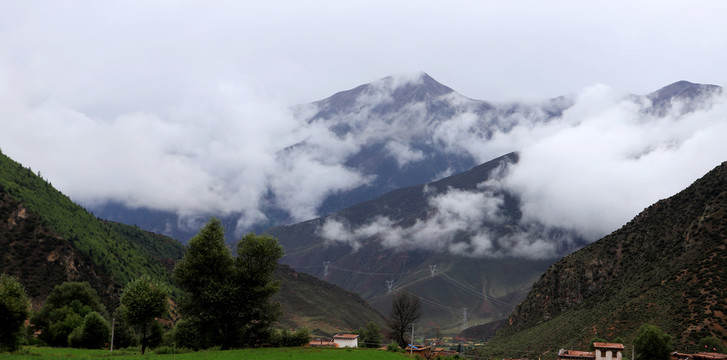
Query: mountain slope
[[666, 267], [42, 218], [34, 248], [320, 306], [489, 286]]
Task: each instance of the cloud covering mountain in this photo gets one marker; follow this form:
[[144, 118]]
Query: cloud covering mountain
[[584, 173], [588, 162]]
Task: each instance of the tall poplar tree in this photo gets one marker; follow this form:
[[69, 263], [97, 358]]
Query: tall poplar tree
[[227, 301]]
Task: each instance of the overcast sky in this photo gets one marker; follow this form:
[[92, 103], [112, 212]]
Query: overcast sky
[[129, 54], [149, 101]]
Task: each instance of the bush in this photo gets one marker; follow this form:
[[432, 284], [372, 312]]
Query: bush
[[187, 336], [64, 310], [370, 336], [169, 350], [94, 333], [285, 338], [393, 346], [711, 344], [156, 335]]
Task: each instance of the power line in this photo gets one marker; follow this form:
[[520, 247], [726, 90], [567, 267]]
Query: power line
[[461, 286], [438, 305]]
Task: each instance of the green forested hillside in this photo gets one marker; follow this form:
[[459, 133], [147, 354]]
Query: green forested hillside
[[114, 253], [667, 266], [46, 239]]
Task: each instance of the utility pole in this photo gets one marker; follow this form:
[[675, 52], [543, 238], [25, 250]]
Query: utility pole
[[464, 314], [390, 284], [411, 346], [326, 264], [113, 325], [432, 269]]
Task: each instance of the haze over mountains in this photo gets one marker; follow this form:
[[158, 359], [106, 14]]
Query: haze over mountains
[[408, 130], [584, 165]]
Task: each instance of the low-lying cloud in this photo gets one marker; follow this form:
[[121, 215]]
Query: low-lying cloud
[[453, 213], [221, 149], [581, 175]]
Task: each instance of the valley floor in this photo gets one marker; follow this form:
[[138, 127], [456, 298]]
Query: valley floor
[[29, 352]]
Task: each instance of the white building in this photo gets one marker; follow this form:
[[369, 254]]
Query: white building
[[346, 340], [608, 351]]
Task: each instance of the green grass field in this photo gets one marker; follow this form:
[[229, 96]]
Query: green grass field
[[247, 354]]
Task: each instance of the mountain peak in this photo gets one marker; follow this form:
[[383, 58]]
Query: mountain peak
[[681, 90], [384, 94], [421, 88]]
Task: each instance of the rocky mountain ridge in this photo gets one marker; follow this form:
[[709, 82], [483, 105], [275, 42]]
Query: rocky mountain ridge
[[666, 267]]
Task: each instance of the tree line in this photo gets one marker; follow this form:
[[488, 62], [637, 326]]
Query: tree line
[[225, 303]]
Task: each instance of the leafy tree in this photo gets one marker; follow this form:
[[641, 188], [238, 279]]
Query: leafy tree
[[711, 344], [144, 300], [64, 310], [204, 275], [257, 258], [595, 339], [370, 336], [405, 311], [652, 344], [227, 301], [14, 310], [93, 333]]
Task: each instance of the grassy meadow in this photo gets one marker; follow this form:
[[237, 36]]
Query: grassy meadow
[[248, 354]]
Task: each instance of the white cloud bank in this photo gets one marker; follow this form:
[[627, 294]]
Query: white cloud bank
[[585, 174]]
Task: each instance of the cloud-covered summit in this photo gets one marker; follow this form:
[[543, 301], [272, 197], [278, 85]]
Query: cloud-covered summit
[[589, 161], [580, 175]]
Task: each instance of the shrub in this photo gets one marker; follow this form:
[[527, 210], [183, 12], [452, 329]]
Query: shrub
[[393, 346], [64, 310], [285, 338], [169, 350], [187, 336], [156, 335], [94, 333]]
